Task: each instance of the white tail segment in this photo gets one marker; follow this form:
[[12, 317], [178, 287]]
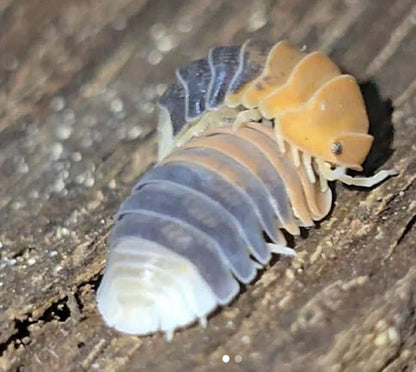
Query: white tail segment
[[147, 288]]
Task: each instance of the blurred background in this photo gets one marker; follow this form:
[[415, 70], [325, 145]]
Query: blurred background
[[78, 84]]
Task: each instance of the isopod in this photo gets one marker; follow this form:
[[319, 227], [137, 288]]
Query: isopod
[[248, 139]]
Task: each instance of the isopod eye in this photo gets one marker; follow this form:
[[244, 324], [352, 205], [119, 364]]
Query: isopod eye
[[336, 148]]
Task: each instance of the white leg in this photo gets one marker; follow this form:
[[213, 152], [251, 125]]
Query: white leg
[[203, 322], [326, 174], [192, 131], [279, 249], [307, 162], [295, 156], [267, 123], [330, 174], [323, 182], [169, 335], [368, 181], [257, 265], [279, 139]]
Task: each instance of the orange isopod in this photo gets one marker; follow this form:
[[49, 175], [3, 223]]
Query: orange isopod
[[248, 139]]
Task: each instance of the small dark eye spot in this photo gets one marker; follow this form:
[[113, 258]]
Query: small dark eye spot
[[336, 148]]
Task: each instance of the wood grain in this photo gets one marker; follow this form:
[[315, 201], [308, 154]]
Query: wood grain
[[78, 83]]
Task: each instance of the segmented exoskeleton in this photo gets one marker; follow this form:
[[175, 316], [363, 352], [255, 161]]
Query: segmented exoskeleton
[[249, 138]]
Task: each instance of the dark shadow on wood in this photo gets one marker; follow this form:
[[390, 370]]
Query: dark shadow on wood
[[381, 127]]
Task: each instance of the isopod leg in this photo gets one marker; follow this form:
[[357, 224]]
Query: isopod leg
[[307, 162], [246, 116], [339, 173], [368, 181], [280, 249]]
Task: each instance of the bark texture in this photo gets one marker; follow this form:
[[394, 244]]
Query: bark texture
[[78, 82]]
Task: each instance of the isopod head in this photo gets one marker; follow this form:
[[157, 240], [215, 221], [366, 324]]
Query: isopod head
[[331, 126]]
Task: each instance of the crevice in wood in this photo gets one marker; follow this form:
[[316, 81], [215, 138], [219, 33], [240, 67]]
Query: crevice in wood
[[57, 311], [407, 229]]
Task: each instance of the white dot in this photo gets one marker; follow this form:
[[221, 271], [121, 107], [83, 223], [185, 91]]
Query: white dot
[[257, 19], [116, 105], [89, 182], [166, 44], [56, 150], [76, 156], [69, 117], [57, 103], [157, 31], [134, 132], [245, 339], [63, 132], [225, 358], [238, 358], [59, 185], [64, 231], [155, 57], [22, 167], [57, 269]]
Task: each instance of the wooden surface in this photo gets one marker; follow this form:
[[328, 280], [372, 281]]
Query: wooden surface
[[78, 81]]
